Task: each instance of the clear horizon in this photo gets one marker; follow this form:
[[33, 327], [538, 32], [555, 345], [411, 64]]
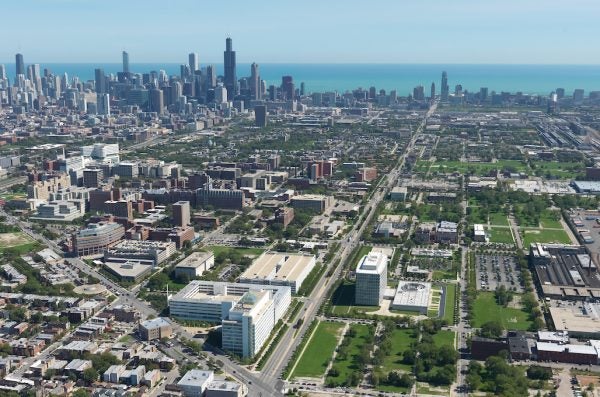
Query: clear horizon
[[314, 32]]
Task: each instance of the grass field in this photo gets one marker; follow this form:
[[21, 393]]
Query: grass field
[[544, 236], [498, 218], [550, 220], [501, 235], [444, 338], [364, 250], [449, 304], [17, 242], [479, 168], [477, 215], [319, 350], [556, 169], [401, 341], [347, 365], [449, 274], [486, 309]]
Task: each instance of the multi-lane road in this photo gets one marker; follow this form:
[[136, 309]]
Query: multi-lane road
[[289, 342], [267, 382]]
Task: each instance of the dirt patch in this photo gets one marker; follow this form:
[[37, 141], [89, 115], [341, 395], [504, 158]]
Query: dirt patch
[[585, 380], [13, 239]]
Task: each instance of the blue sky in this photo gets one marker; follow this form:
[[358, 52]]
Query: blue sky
[[304, 31]]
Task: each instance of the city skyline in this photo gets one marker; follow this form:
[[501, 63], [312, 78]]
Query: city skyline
[[384, 32]]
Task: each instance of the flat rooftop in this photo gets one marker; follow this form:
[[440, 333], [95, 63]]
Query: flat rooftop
[[411, 293], [577, 317], [372, 263], [278, 266], [196, 259], [128, 269]]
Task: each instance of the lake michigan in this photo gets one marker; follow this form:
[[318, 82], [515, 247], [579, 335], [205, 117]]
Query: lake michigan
[[529, 79]]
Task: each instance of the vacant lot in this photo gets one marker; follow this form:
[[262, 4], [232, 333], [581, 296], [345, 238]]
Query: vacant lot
[[18, 242], [319, 351]]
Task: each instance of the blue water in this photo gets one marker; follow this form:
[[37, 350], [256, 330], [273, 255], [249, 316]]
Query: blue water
[[530, 79]]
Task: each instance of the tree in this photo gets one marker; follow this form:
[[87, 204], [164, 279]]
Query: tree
[[90, 375], [333, 372], [491, 329], [503, 296]]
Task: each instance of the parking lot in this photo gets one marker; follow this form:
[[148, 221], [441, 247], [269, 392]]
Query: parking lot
[[496, 270]]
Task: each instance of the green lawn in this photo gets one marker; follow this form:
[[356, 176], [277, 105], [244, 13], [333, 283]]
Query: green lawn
[[556, 169], [401, 341], [449, 274], [477, 215], [364, 250], [486, 309], [551, 219], [544, 236], [444, 338], [501, 235], [449, 304], [347, 365], [498, 218], [319, 350], [479, 168]]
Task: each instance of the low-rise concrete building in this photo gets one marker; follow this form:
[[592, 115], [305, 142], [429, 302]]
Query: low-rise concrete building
[[195, 265], [156, 328]]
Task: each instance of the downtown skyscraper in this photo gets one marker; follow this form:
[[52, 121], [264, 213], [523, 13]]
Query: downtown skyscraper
[[193, 62], [230, 77], [20, 64], [125, 62], [445, 89], [100, 79], [255, 86]]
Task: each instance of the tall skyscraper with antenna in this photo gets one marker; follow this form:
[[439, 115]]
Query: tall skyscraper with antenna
[[230, 73]]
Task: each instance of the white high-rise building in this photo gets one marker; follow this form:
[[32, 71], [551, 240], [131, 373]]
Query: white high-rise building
[[103, 104], [371, 279], [247, 312], [220, 94], [249, 323]]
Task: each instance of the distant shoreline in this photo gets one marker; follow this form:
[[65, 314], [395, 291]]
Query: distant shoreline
[[529, 79]]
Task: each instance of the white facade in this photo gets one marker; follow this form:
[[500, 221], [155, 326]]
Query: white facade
[[220, 94], [412, 296], [371, 279], [194, 382], [247, 312], [103, 104], [195, 264], [249, 324], [102, 152]]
